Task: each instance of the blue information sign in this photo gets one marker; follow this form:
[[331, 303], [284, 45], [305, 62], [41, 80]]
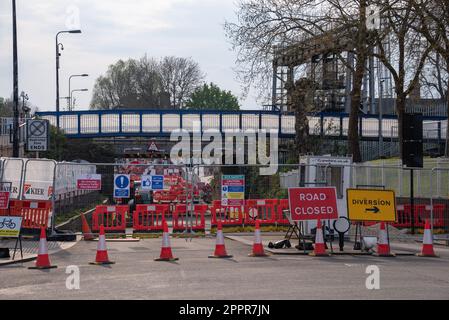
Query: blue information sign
[[121, 186]]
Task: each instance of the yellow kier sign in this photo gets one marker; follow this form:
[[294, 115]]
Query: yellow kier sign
[[371, 205]]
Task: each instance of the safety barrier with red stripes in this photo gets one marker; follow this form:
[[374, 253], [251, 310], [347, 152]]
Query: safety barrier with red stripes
[[198, 221], [148, 218], [263, 210], [113, 218], [228, 215], [422, 212], [35, 214]]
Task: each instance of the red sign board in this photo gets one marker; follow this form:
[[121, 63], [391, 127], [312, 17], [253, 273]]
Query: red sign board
[[89, 182], [4, 199], [313, 203]]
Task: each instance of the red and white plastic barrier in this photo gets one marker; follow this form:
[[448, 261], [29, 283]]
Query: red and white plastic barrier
[[149, 218], [112, 217], [198, 221]]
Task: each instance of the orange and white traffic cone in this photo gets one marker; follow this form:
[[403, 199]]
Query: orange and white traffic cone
[[102, 252], [427, 247], [43, 261], [320, 247], [87, 233], [258, 250], [383, 247], [166, 253], [220, 249]]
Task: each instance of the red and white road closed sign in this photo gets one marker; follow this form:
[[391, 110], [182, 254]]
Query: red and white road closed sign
[[313, 203]]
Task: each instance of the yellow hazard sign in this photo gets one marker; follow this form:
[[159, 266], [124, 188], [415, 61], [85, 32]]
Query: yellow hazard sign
[[371, 205]]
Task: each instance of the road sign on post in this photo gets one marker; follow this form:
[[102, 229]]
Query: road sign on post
[[150, 182], [90, 182], [233, 190], [371, 205], [38, 135], [313, 203], [122, 186]]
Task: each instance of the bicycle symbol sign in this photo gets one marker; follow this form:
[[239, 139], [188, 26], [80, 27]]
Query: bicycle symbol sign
[[10, 227]]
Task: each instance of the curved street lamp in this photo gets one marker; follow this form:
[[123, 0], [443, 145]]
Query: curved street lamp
[[71, 96], [70, 92], [58, 54]]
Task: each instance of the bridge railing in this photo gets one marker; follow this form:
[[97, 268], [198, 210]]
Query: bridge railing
[[108, 123]]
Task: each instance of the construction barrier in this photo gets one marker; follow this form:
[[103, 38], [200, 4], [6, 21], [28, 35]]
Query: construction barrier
[[112, 217], [14, 209], [149, 218], [262, 210], [228, 215], [198, 221], [421, 213], [35, 214]]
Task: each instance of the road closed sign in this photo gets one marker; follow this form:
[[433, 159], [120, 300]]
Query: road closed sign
[[313, 203], [371, 205]]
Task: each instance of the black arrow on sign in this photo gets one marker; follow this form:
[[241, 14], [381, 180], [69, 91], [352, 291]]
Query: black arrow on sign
[[374, 210]]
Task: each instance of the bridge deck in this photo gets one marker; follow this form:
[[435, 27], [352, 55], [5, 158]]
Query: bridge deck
[[155, 123]]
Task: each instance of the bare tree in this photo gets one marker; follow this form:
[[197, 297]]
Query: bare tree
[[180, 78], [141, 83], [434, 78], [434, 16], [264, 25], [409, 53]]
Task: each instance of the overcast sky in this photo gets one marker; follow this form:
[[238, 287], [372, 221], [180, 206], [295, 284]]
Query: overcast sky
[[112, 30]]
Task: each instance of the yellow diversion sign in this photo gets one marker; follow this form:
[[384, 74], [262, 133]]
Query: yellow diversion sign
[[371, 205]]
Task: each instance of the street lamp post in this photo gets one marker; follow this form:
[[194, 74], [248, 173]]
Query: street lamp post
[[15, 83], [71, 96], [70, 93], [58, 54]]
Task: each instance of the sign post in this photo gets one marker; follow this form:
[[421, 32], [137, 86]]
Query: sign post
[[89, 182], [233, 190], [371, 205], [151, 183], [312, 204], [38, 135], [10, 228], [122, 184]]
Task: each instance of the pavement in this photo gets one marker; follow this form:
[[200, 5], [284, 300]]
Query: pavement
[[137, 276], [30, 249]]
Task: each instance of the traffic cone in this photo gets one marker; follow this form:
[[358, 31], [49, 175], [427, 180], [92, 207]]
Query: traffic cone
[[220, 249], [166, 253], [102, 252], [43, 261], [383, 247], [87, 233], [427, 247], [319, 247], [258, 250]]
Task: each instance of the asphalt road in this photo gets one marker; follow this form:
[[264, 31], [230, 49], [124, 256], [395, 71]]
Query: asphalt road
[[136, 276]]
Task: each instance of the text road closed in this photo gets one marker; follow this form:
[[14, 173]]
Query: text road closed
[[313, 203]]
